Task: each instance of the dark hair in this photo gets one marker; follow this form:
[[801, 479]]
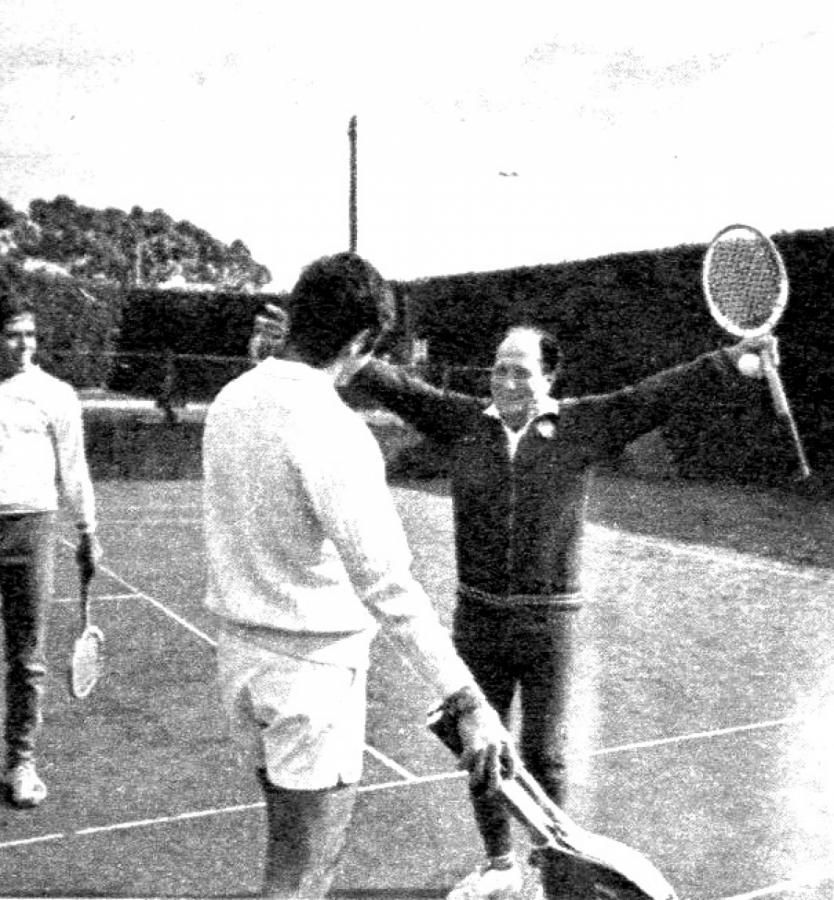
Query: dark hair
[[334, 299], [551, 353], [14, 296]]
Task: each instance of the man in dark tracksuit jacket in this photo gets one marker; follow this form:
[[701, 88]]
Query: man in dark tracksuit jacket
[[520, 468]]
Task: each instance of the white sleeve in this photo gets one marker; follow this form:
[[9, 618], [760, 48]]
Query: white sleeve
[[344, 477], [71, 459]]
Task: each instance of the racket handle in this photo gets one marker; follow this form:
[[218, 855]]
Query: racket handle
[[774, 382], [783, 409], [84, 592]]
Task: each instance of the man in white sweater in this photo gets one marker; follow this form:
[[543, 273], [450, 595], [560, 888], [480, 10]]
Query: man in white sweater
[[306, 559], [41, 447]]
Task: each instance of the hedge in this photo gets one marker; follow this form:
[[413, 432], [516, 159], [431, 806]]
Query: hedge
[[619, 317], [185, 343], [625, 316], [77, 325]]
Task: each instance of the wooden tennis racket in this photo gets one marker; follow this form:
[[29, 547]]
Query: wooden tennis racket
[[87, 661], [746, 288], [590, 866]]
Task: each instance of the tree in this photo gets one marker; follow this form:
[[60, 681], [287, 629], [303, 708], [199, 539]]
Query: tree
[[7, 214], [135, 249]]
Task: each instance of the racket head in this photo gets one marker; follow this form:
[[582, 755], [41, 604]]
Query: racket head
[[585, 863], [744, 280], [604, 868], [87, 662]]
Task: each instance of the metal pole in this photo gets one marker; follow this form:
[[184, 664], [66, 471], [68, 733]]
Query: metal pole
[[352, 201]]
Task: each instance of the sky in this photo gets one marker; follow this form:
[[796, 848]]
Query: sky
[[490, 135]]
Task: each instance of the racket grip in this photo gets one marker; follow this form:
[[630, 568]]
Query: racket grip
[[774, 383], [783, 409], [804, 468], [84, 596]]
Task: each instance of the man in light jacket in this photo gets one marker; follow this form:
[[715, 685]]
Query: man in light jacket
[[41, 447], [306, 559]]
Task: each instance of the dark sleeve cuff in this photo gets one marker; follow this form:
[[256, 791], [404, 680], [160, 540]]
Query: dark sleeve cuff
[[463, 701]]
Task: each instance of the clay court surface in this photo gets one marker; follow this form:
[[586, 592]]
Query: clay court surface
[[701, 728]]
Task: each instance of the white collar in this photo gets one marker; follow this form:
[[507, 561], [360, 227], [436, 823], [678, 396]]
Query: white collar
[[292, 370], [550, 407]]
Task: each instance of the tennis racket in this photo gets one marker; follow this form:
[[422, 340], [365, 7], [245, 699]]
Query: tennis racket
[[746, 288], [588, 866], [87, 661]]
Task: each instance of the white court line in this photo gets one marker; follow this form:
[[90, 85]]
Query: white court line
[[163, 820], [160, 606], [97, 597], [696, 735], [808, 879], [604, 534], [720, 555], [208, 813], [223, 810], [33, 840], [241, 807], [415, 781], [410, 781], [162, 520], [390, 763], [212, 811], [697, 551], [161, 507]]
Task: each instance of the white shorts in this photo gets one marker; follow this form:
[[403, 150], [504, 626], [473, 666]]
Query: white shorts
[[301, 720]]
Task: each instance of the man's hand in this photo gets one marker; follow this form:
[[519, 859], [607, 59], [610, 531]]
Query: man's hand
[[269, 332], [88, 555], [765, 346], [487, 747]]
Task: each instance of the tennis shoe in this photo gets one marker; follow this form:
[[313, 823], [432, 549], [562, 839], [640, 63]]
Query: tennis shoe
[[489, 883], [25, 786]]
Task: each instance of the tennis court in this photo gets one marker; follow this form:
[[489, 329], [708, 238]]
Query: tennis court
[[700, 729]]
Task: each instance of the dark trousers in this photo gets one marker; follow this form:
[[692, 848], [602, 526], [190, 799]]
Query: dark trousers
[[27, 555], [528, 648]]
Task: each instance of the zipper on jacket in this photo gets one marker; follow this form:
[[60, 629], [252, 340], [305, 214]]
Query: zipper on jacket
[[511, 528]]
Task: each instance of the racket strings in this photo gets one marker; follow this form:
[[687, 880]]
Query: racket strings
[[745, 283]]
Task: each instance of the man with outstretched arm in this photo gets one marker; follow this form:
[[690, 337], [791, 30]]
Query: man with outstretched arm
[[520, 467], [306, 559]]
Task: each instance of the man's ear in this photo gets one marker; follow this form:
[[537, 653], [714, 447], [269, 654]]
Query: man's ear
[[553, 377]]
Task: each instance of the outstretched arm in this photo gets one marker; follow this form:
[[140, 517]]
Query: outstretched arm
[[614, 420], [438, 414]]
